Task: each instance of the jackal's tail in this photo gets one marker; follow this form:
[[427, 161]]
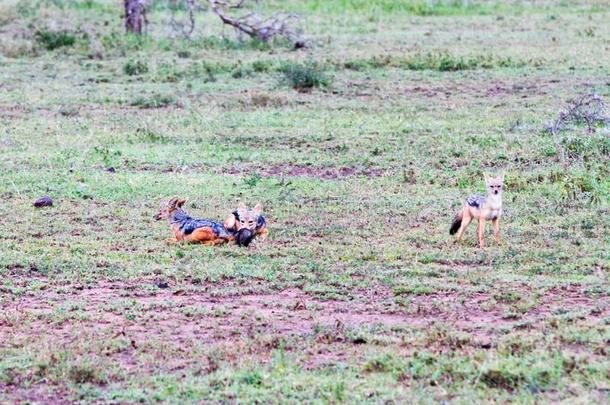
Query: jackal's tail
[[455, 225]]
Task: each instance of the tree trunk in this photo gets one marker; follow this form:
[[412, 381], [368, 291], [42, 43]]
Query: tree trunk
[[135, 15]]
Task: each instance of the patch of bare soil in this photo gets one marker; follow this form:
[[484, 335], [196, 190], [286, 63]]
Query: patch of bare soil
[[177, 313], [164, 324], [326, 173]]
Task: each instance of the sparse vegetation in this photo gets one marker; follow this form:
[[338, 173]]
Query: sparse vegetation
[[156, 100], [441, 61], [135, 68], [55, 39], [358, 295], [305, 76]]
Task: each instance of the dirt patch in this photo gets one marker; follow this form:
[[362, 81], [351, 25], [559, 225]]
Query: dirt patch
[[326, 173], [181, 326], [199, 313]]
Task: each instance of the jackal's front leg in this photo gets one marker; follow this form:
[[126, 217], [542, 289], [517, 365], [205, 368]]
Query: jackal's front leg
[[496, 223], [262, 234], [481, 232]]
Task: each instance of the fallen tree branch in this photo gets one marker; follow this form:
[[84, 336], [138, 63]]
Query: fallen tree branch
[[590, 109], [256, 26]]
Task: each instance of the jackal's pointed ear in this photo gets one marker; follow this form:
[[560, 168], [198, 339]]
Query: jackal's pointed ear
[[258, 208], [241, 206], [501, 177], [172, 202], [180, 202], [487, 178]]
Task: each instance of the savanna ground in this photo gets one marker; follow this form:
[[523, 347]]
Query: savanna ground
[[359, 294]]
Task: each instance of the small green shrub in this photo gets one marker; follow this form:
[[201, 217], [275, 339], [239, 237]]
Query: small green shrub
[[55, 39], [240, 72], [262, 66], [171, 72], [305, 76], [154, 101], [147, 135], [135, 68], [253, 180], [501, 378]]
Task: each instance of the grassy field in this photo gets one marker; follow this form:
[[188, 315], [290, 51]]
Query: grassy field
[[358, 295]]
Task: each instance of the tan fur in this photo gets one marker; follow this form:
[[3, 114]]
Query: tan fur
[[247, 219], [203, 235], [491, 210]]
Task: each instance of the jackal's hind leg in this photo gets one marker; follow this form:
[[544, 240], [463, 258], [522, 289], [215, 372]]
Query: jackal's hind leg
[[214, 242], [466, 219]]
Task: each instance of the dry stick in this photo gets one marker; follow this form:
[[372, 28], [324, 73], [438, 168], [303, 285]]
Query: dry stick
[[191, 6], [589, 108], [256, 26]]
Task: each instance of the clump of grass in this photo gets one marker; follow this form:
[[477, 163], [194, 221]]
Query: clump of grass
[[305, 76], [123, 44], [135, 68], [581, 186], [240, 72], [501, 378], [439, 61], [55, 39], [585, 148], [171, 72], [262, 66], [147, 135], [154, 101]]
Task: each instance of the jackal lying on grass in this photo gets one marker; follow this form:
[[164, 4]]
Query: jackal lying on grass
[[247, 224], [242, 225], [488, 208]]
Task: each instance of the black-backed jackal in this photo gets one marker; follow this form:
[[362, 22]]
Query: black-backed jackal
[[242, 225], [488, 208]]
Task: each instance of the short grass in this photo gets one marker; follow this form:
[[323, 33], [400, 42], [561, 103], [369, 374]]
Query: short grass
[[361, 148]]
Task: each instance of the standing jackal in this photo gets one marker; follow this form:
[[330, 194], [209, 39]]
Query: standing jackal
[[488, 208]]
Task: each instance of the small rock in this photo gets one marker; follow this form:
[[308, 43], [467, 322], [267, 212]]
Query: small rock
[[111, 169], [43, 202]]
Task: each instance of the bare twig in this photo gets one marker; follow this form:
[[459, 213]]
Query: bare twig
[[590, 109], [257, 26], [185, 29]]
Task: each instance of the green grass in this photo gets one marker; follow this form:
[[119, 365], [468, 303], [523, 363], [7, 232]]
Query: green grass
[[359, 294]]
